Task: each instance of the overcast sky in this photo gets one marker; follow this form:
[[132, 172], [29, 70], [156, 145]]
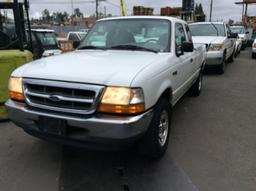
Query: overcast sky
[[222, 9]]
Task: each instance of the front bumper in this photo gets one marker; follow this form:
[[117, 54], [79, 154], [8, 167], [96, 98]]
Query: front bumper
[[98, 130], [214, 58]]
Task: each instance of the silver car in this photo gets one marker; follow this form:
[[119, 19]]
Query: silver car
[[220, 41]]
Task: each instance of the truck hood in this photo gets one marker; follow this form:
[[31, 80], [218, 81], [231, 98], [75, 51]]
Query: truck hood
[[208, 39], [111, 67]]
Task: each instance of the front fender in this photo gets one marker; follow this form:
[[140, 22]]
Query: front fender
[[155, 87]]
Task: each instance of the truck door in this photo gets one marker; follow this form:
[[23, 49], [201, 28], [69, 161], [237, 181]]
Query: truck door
[[194, 62], [230, 42], [184, 63]]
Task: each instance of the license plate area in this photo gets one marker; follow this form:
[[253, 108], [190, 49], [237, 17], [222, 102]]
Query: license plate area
[[52, 125]]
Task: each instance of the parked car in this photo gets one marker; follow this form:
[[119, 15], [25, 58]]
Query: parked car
[[113, 94], [254, 49], [220, 41], [44, 43], [243, 34], [76, 37]]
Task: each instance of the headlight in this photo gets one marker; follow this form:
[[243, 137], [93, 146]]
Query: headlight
[[254, 45], [121, 100], [15, 89], [216, 47]]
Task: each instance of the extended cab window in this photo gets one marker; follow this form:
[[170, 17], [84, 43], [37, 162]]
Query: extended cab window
[[189, 34], [180, 36], [150, 34]]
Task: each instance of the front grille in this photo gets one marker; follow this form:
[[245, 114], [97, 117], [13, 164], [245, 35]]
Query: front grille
[[74, 98]]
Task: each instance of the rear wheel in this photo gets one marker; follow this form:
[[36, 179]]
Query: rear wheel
[[253, 55], [222, 67], [196, 88], [155, 141], [231, 58]]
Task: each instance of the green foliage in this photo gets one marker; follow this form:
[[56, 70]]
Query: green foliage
[[199, 9]]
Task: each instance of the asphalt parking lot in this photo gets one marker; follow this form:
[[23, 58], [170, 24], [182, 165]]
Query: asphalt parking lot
[[212, 148]]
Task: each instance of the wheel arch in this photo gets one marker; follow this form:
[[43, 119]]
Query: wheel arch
[[165, 91]]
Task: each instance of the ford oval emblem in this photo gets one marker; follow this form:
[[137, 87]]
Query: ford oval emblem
[[54, 98]]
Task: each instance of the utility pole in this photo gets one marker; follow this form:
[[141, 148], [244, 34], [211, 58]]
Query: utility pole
[[211, 11], [97, 9], [72, 7]]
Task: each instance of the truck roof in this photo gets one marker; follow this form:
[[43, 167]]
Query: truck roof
[[42, 30], [237, 26], [201, 23], [144, 17]]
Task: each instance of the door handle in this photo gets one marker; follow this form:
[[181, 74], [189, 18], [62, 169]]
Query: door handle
[[175, 73]]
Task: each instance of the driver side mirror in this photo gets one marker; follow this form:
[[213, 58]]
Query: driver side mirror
[[187, 47], [247, 32]]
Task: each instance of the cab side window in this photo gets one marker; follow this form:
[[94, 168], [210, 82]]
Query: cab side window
[[180, 37], [188, 34], [228, 30]]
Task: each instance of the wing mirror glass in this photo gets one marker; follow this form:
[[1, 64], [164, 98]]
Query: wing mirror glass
[[187, 47]]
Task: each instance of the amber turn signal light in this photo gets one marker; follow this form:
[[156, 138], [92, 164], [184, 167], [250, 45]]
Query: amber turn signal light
[[121, 109], [16, 96]]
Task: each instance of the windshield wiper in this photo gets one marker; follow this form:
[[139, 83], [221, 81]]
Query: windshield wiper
[[132, 47], [215, 28], [90, 47]]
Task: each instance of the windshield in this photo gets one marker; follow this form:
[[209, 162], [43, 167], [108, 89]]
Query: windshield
[[47, 38], [237, 30], [207, 30], [151, 34], [82, 35]]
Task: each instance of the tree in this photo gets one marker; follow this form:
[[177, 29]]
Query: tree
[[196, 9], [200, 9], [46, 17], [77, 12], [60, 17], [199, 13]]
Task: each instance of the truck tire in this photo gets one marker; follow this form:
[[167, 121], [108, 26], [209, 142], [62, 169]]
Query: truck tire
[[231, 58], [155, 142], [196, 88], [222, 67]]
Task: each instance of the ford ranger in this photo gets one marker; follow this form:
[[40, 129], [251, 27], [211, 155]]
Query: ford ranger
[[116, 89]]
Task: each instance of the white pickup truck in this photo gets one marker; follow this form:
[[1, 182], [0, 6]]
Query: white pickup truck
[[116, 89]]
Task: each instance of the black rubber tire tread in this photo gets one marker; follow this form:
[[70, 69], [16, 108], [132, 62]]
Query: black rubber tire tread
[[194, 90], [149, 146], [231, 58], [220, 68]]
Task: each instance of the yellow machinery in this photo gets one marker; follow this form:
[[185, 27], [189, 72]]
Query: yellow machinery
[[9, 61], [123, 7], [12, 50]]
